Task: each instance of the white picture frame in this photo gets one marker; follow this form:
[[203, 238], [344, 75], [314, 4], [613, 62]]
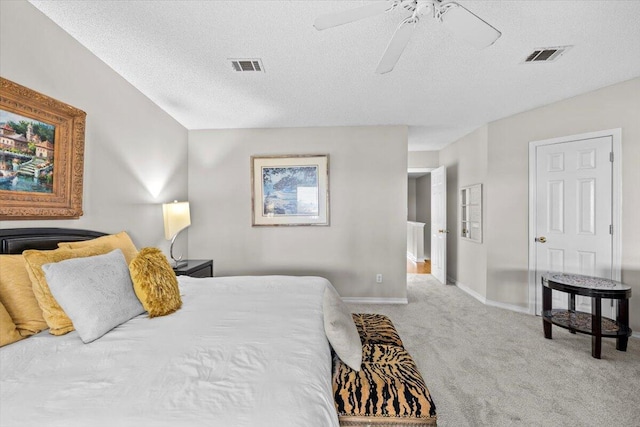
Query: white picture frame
[[290, 190]]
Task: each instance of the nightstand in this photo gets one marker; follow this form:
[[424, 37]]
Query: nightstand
[[196, 268]]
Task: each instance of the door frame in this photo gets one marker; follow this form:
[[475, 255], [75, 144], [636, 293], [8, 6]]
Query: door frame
[[616, 202], [436, 236]]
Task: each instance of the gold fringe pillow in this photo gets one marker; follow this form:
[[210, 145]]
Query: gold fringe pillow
[[106, 244], [8, 331], [16, 294], [59, 323], [155, 282]]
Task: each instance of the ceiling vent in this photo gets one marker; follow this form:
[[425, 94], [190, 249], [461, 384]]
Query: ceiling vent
[[244, 65], [546, 54]]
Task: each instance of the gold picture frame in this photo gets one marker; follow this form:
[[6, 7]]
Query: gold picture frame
[[290, 190], [41, 155]]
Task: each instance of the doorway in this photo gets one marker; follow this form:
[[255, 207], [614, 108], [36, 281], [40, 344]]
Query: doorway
[[439, 224], [574, 211], [418, 221]]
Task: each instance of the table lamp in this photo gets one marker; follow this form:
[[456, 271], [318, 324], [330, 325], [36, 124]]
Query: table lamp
[[176, 218]]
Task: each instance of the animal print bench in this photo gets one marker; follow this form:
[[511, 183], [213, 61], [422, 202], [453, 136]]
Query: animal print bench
[[376, 329], [388, 391]]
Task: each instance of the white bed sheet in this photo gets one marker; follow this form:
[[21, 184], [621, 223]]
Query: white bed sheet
[[242, 351]]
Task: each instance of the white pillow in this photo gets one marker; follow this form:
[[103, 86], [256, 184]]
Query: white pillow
[[340, 329], [95, 292]]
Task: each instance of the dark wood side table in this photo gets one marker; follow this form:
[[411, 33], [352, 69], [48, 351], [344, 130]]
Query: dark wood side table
[[196, 268], [587, 323]]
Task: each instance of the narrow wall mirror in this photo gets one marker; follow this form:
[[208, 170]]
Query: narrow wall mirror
[[471, 213]]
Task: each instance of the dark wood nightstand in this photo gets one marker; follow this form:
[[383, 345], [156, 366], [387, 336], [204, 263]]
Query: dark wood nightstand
[[196, 268]]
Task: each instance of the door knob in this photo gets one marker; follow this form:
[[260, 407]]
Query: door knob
[[541, 239], [443, 231]]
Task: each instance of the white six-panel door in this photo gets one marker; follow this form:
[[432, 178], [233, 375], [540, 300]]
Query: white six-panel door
[[573, 211], [439, 224]]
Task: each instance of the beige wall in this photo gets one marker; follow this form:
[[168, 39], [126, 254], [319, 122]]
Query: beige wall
[[135, 153], [423, 159], [368, 185], [616, 106], [411, 199], [466, 163]]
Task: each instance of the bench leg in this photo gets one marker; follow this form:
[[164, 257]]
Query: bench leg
[[623, 319], [596, 327]]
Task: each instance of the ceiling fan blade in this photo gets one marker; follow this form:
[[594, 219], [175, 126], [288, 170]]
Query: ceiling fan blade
[[468, 26], [344, 17], [396, 46]]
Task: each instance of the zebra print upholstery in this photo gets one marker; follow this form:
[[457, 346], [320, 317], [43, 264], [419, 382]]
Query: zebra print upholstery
[[388, 390]]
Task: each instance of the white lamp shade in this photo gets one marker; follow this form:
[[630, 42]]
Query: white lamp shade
[[176, 218]]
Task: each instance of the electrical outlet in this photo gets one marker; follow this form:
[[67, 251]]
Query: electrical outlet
[[379, 278]]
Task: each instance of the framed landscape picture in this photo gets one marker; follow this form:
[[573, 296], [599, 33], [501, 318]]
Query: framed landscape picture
[[41, 155], [290, 190]]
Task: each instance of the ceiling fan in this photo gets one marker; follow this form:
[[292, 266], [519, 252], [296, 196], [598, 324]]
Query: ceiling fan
[[461, 21]]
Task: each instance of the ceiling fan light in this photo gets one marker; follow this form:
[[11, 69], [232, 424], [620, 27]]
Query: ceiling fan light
[[468, 26]]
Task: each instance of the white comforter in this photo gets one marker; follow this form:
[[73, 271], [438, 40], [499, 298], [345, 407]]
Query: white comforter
[[242, 351]]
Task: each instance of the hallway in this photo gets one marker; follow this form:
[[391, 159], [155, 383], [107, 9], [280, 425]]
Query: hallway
[[418, 267]]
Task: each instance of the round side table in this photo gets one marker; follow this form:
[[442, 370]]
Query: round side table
[[587, 323]]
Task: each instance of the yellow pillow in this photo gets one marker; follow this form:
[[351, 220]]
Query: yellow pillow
[[8, 331], [155, 282], [59, 323], [16, 294], [107, 243]]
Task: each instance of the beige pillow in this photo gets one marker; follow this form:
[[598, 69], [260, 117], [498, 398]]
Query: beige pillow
[[340, 329], [16, 294], [106, 244], [155, 282], [59, 323], [8, 331]]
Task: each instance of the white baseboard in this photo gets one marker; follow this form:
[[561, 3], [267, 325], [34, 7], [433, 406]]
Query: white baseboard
[[506, 306], [636, 335], [412, 257], [486, 301], [468, 290], [373, 300]]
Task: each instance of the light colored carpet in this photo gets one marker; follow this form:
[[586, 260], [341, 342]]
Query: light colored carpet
[[486, 366]]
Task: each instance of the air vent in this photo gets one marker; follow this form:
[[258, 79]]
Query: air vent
[[546, 54], [244, 65]]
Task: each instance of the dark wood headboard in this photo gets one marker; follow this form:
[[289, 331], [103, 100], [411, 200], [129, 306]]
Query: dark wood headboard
[[16, 240]]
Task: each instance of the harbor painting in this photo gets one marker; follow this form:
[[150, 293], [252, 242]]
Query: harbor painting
[[290, 190], [26, 153], [41, 155]]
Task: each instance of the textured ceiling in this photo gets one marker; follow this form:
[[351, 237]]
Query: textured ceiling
[[175, 52]]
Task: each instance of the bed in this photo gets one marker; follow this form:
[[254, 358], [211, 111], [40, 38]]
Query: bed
[[242, 351]]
